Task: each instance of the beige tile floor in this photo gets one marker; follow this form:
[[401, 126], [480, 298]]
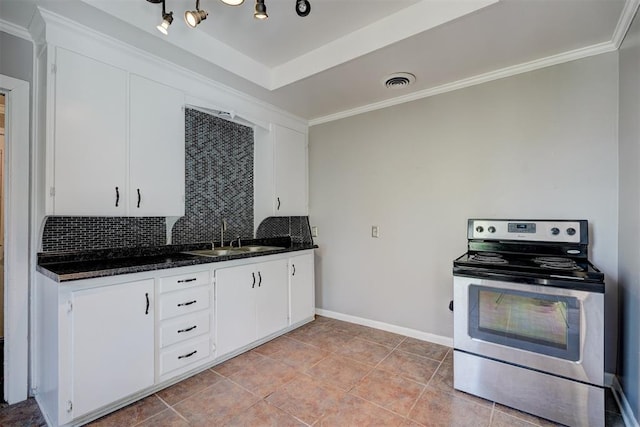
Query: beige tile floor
[[326, 373]]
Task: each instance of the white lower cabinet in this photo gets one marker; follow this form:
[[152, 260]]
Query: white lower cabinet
[[184, 323], [251, 303], [108, 341], [112, 344], [301, 288]]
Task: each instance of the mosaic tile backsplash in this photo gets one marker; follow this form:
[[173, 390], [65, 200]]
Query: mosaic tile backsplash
[[219, 184], [296, 227], [219, 180], [63, 233]]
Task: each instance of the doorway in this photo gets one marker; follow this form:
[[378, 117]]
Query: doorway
[[15, 215], [2, 127]]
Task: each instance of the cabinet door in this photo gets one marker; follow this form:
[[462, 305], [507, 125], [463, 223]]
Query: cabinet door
[[272, 304], [301, 287], [156, 149], [112, 353], [89, 136], [290, 163], [235, 307]]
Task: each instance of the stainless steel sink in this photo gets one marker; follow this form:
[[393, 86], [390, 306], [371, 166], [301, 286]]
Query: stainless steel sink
[[228, 250], [257, 248]]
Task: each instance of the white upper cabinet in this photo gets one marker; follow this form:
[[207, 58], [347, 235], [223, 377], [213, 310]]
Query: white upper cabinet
[[118, 142], [90, 133], [290, 172], [156, 149]]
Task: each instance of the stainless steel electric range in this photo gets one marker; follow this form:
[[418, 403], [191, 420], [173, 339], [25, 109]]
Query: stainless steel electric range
[[529, 319]]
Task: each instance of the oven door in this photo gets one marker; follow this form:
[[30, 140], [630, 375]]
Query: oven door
[[554, 330]]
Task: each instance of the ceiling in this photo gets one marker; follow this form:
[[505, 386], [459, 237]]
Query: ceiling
[[333, 62]]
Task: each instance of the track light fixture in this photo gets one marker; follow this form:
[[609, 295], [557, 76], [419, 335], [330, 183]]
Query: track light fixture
[[303, 7], [167, 19], [261, 10], [194, 17]]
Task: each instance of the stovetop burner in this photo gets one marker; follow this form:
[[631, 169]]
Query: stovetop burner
[[557, 263], [488, 258]]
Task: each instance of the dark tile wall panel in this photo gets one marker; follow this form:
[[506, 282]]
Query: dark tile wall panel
[[219, 180], [64, 233], [296, 227]]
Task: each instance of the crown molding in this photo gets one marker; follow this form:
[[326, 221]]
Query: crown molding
[[15, 30], [573, 55], [626, 17]]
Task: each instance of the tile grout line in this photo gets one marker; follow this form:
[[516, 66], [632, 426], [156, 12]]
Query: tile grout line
[[427, 385], [151, 416], [175, 411]]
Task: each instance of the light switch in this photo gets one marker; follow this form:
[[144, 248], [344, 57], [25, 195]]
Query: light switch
[[375, 231], [314, 231]]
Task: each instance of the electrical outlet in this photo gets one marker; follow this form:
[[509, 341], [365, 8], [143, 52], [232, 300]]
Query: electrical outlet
[[375, 231], [314, 231]]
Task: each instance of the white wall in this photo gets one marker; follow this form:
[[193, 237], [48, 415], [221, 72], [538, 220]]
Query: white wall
[[538, 145], [629, 232]]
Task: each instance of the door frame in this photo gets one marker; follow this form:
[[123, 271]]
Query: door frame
[[17, 197]]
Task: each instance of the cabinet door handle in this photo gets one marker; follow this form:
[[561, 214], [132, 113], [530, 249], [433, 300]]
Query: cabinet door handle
[[260, 282], [193, 279], [188, 354], [253, 285], [294, 269], [278, 208], [117, 196], [146, 310], [138, 198], [187, 303], [187, 329]]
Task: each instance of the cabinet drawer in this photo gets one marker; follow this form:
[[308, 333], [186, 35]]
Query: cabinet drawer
[[184, 327], [184, 354], [182, 281], [184, 302]]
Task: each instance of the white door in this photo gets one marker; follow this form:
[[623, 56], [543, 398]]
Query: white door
[[112, 331], [290, 172], [89, 136], [272, 305], [156, 149], [235, 307], [302, 289]]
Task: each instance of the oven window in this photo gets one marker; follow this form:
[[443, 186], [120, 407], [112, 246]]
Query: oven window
[[545, 324]]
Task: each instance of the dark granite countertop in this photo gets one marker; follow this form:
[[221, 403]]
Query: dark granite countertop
[[68, 266]]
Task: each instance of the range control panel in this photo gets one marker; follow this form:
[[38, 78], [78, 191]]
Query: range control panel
[[561, 231]]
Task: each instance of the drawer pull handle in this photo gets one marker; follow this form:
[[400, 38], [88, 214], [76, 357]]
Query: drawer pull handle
[[117, 197], [188, 354], [260, 282], [253, 285], [139, 198], [193, 279], [187, 329], [146, 311], [278, 208], [187, 303], [294, 269]]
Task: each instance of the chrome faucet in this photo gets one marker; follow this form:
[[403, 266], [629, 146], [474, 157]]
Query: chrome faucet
[[223, 228]]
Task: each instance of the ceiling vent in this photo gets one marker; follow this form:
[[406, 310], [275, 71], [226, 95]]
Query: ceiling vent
[[399, 80]]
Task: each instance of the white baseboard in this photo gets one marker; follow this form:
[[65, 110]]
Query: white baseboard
[[413, 333], [625, 409]]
